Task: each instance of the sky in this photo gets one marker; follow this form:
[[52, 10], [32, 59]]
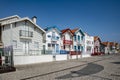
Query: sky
[[96, 17]]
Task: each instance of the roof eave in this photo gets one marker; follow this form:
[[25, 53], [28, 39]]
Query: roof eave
[[22, 19]]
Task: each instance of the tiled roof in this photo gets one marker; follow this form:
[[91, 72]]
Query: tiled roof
[[65, 30], [96, 38], [77, 29], [74, 30], [105, 43], [110, 43]]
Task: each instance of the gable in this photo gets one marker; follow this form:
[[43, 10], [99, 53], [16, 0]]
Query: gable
[[9, 19], [80, 31], [53, 30], [24, 19], [69, 32]]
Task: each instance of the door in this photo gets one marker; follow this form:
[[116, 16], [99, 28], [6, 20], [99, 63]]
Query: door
[[25, 47], [43, 49], [57, 48], [53, 48]]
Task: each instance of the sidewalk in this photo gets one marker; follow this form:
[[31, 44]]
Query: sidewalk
[[26, 71]]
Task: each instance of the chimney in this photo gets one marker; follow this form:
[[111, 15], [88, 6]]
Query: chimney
[[34, 19]]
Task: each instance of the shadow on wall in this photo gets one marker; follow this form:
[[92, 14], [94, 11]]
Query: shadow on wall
[[91, 68]]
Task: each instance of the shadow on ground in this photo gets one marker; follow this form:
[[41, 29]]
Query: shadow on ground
[[116, 62], [91, 68]]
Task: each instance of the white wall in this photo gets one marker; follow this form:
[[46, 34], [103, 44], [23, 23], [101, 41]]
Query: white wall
[[6, 35], [22, 60]]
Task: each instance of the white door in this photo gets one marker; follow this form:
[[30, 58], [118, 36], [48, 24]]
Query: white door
[[25, 47]]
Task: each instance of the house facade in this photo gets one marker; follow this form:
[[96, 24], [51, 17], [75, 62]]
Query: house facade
[[97, 45], [89, 44], [53, 39], [78, 40], [111, 47], [21, 36], [67, 40]]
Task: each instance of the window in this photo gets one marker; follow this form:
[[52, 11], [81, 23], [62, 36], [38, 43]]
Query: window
[[36, 45], [92, 42], [81, 48], [49, 36], [75, 48], [14, 43], [78, 38], [75, 37], [88, 42], [49, 45], [81, 37], [78, 47], [57, 37], [53, 35], [88, 48], [64, 46]]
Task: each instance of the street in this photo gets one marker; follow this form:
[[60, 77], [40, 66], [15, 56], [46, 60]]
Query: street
[[105, 67]]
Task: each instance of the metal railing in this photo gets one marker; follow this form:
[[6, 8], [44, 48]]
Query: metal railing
[[24, 33]]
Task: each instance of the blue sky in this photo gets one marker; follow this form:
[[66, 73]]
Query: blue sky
[[96, 17]]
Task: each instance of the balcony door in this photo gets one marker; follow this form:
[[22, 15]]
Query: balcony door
[[53, 48], [26, 47], [57, 48]]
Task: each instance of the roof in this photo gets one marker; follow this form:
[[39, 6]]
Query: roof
[[74, 30], [23, 19], [105, 43], [52, 27], [110, 43], [96, 38], [77, 29], [65, 30], [14, 16]]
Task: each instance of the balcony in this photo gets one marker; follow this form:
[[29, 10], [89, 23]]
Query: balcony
[[79, 42], [69, 42], [55, 38], [25, 34]]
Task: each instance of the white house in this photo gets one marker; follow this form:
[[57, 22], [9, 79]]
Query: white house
[[53, 39], [88, 44], [21, 36]]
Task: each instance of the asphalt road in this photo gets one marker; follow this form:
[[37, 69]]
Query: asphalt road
[[106, 67]]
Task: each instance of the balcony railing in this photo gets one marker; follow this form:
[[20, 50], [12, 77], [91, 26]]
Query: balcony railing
[[55, 38], [24, 33], [70, 42], [80, 42]]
